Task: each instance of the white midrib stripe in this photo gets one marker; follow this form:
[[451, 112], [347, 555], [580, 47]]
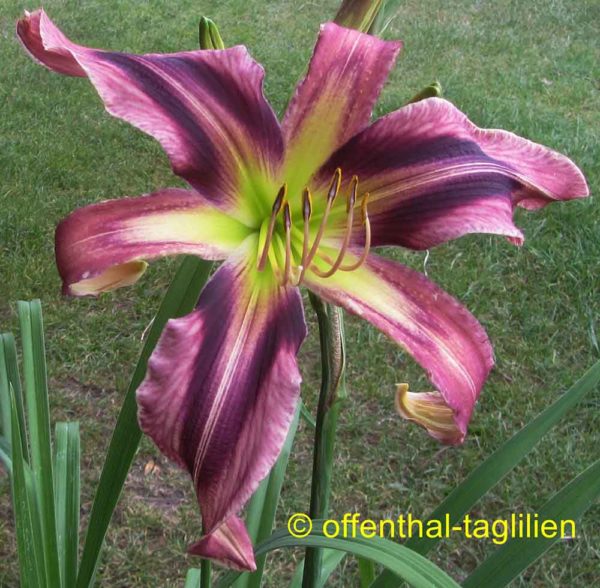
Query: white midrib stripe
[[230, 368]]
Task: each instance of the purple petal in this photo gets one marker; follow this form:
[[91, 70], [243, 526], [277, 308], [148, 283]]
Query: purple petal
[[433, 176], [230, 544], [335, 99], [206, 108], [442, 336], [223, 384], [104, 246]]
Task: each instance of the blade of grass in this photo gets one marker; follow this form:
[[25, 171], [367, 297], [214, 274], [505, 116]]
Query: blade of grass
[[495, 467], [38, 414], [9, 376], [179, 299], [27, 524], [405, 563], [507, 562], [67, 495]]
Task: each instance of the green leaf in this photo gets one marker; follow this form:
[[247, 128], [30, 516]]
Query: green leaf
[[263, 506], [507, 562], [192, 578], [305, 414], [179, 299], [366, 572], [5, 455], [67, 495], [331, 560], [405, 563], [29, 536], [495, 467], [38, 417], [9, 376]]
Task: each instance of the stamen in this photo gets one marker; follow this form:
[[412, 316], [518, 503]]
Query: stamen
[[348, 234], [287, 222], [367, 247], [334, 189], [274, 212], [306, 214]]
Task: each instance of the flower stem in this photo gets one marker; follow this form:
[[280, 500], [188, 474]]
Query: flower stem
[[331, 396], [205, 570]]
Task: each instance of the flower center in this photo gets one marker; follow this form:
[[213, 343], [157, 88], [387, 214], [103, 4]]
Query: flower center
[[279, 249]]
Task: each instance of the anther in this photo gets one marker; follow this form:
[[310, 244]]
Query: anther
[[306, 204], [334, 187], [350, 201], [274, 212], [367, 224], [306, 214], [352, 197]]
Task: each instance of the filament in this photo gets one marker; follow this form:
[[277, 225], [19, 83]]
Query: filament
[[367, 246], [287, 223], [348, 234], [274, 212], [334, 188]]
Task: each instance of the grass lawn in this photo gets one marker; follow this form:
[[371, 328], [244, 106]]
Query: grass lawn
[[523, 65]]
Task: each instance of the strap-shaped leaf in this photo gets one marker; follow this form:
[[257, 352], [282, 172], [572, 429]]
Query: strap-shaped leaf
[[508, 561], [9, 376], [29, 536], [192, 578], [263, 506], [67, 496], [179, 299], [38, 419], [481, 480], [405, 563]]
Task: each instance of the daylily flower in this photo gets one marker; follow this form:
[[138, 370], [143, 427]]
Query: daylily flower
[[297, 204]]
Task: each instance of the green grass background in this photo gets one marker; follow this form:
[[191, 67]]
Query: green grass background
[[530, 66]]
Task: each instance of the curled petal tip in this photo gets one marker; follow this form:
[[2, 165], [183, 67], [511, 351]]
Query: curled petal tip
[[46, 43], [229, 545], [114, 277], [429, 410]]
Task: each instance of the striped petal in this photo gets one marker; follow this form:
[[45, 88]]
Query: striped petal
[[105, 246], [433, 176], [206, 108], [221, 391], [335, 99], [442, 336], [229, 543]]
